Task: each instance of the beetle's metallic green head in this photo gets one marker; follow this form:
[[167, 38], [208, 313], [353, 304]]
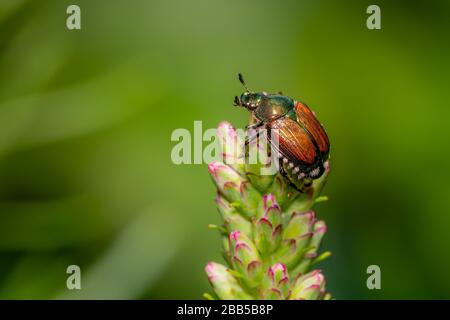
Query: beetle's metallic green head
[[249, 100]]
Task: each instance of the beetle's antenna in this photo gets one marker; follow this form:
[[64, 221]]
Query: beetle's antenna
[[241, 80], [237, 102]]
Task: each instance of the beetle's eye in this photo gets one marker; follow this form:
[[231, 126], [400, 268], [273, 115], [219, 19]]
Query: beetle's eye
[[245, 98]]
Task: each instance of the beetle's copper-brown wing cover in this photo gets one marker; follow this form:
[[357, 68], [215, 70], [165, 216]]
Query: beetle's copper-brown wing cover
[[308, 120], [293, 141]]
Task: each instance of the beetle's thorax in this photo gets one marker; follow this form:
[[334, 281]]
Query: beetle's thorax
[[273, 106]]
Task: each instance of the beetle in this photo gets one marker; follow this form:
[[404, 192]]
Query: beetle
[[301, 141]]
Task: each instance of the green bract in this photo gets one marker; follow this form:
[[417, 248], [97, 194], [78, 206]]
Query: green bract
[[271, 236]]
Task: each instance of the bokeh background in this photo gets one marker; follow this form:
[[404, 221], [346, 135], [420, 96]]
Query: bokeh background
[[86, 118]]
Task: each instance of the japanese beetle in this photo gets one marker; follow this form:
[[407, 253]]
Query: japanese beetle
[[301, 141]]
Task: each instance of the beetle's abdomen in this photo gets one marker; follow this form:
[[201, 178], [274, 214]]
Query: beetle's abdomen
[[301, 158], [309, 121]]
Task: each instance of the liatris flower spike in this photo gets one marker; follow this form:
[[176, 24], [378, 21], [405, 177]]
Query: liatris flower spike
[[270, 234]]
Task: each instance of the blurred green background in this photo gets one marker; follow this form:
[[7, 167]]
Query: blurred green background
[[86, 118]]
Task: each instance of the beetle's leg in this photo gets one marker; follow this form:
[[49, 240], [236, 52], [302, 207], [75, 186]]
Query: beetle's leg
[[282, 171], [269, 143], [254, 126], [308, 183], [249, 140]]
